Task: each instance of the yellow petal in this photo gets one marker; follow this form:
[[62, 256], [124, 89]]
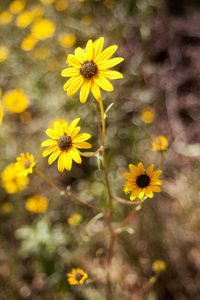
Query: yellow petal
[[140, 168], [128, 176], [155, 189], [111, 74], [79, 53], [134, 194], [73, 61], [98, 47], [73, 88], [103, 83], [53, 156], [96, 91], [58, 128], [156, 174], [52, 133], [72, 126], [75, 131], [67, 161], [150, 195], [68, 83], [106, 54], [61, 164], [82, 145], [48, 143], [65, 126], [133, 169], [110, 63], [82, 137], [85, 89], [69, 72], [89, 50], [50, 149], [75, 155], [150, 170]]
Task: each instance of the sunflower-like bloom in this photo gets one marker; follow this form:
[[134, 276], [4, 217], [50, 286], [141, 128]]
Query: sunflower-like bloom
[[64, 143], [89, 70], [25, 164], [77, 276], [142, 183], [160, 143]]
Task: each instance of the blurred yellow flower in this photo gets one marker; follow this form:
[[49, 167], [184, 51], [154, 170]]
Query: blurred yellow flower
[[89, 70], [25, 164], [64, 143], [53, 65], [37, 204], [77, 276], [17, 6], [62, 121], [5, 17], [11, 181], [6, 207], [158, 266], [148, 115], [24, 19], [47, 2], [28, 43], [37, 11], [109, 3], [4, 52], [67, 40], [61, 5], [25, 117], [160, 143], [86, 20], [141, 183], [74, 219], [43, 29], [1, 112], [15, 101], [41, 53]]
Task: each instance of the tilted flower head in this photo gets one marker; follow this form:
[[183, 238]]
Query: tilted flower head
[[25, 164], [89, 70], [64, 143], [37, 204], [142, 183], [11, 181], [77, 276], [160, 143]]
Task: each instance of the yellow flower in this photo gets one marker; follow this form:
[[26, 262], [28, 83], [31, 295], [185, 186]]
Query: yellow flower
[[28, 43], [86, 20], [77, 276], [148, 115], [24, 19], [160, 143], [37, 204], [43, 29], [47, 2], [25, 117], [4, 52], [6, 207], [89, 70], [15, 101], [11, 181], [74, 219], [5, 17], [67, 40], [25, 164], [64, 143], [142, 183], [1, 112], [37, 11], [159, 266], [41, 53], [53, 65], [61, 5], [16, 6]]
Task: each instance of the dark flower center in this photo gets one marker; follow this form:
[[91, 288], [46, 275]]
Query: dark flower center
[[78, 276], [64, 142], [27, 164], [143, 180], [88, 69]]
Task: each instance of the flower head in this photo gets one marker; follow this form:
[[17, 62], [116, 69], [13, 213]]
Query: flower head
[[148, 115], [15, 101], [24, 19], [5, 17], [61, 5], [77, 276], [160, 143], [142, 183], [42, 29], [28, 43], [37, 204], [89, 70], [67, 40], [74, 219], [64, 143], [25, 164], [11, 181], [16, 6], [159, 266]]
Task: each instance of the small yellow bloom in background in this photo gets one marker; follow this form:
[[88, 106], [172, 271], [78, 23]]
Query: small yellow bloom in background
[[6, 207], [25, 117], [16, 101], [47, 2], [53, 65], [28, 43], [41, 53], [11, 181], [43, 29], [109, 3], [64, 144], [37, 204], [24, 19], [89, 70], [1, 112], [74, 219], [86, 20], [67, 40], [5, 17], [25, 164], [61, 5], [37, 11], [62, 121], [141, 183], [160, 143], [77, 276], [17, 6], [159, 266], [148, 115], [4, 52]]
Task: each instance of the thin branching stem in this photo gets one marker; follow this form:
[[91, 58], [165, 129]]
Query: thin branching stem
[[93, 153]]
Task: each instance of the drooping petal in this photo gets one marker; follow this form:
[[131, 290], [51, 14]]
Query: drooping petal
[[72, 126], [106, 54], [111, 74], [53, 156], [98, 47], [82, 145], [69, 72], [52, 133], [50, 149], [75, 155], [73, 88], [82, 137], [89, 50], [103, 83], [73, 61], [96, 91], [110, 63], [48, 143], [85, 89], [61, 164]]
